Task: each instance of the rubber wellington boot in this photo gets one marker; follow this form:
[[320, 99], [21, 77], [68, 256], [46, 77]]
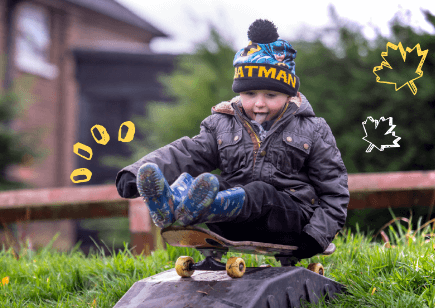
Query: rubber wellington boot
[[200, 195], [161, 199], [180, 188], [226, 206]]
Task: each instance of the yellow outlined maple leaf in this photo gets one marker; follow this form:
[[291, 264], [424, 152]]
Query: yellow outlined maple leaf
[[385, 63]]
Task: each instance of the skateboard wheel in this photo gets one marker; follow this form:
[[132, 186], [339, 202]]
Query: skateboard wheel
[[235, 267], [317, 268], [182, 266]]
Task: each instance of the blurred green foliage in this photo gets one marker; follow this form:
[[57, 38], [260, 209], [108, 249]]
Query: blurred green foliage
[[339, 83], [342, 88], [15, 147]]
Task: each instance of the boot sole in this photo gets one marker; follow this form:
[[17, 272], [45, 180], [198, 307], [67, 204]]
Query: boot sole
[[200, 195], [155, 191]]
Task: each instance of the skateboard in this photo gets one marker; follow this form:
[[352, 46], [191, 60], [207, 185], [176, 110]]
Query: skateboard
[[214, 246]]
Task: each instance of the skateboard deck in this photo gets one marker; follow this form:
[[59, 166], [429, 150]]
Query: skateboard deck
[[213, 246], [202, 238]]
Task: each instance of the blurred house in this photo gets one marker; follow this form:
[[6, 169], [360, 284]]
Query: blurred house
[[88, 62]]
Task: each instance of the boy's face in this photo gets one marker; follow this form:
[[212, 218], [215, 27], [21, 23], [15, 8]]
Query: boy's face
[[263, 105]]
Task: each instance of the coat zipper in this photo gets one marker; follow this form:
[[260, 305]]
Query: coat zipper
[[255, 134], [282, 113]]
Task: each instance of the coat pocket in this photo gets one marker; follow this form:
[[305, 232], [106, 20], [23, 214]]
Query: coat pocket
[[231, 151], [290, 154], [306, 194]]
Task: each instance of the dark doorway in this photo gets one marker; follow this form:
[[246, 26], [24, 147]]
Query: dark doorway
[[114, 87]]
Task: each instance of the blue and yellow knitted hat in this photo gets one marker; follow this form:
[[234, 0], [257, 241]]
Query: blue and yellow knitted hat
[[267, 63]]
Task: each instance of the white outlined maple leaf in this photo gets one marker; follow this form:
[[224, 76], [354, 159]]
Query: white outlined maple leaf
[[381, 133]]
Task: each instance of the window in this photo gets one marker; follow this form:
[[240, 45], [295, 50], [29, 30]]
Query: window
[[33, 41]]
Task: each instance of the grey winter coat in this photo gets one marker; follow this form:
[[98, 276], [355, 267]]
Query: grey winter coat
[[299, 156]]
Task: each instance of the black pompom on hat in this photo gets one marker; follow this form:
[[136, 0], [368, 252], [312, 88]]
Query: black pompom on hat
[[262, 31]]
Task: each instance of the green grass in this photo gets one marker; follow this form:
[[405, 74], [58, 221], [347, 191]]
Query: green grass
[[375, 276]]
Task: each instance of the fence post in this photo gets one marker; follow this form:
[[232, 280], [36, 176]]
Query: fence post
[[140, 225]]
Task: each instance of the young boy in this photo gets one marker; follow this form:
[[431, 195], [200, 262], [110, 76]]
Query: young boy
[[282, 177]]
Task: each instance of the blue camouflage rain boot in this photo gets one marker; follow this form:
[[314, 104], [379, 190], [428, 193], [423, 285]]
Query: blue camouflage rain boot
[[161, 199], [181, 187], [226, 205], [200, 195]]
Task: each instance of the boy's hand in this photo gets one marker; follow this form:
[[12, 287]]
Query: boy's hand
[[127, 185], [308, 247]]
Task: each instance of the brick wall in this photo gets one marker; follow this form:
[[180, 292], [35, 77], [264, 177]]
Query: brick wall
[[3, 32], [52, 105]]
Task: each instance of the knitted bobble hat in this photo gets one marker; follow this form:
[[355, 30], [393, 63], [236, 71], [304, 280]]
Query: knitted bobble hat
[[267, 63]]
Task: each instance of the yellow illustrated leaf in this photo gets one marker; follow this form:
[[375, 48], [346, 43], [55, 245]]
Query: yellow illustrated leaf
[[387, 63]]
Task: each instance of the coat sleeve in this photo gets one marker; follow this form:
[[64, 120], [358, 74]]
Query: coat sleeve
[[192, 155], [328, 176]]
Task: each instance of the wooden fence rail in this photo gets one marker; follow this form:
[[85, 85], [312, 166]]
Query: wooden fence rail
[[370, 190], [392, 189]]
